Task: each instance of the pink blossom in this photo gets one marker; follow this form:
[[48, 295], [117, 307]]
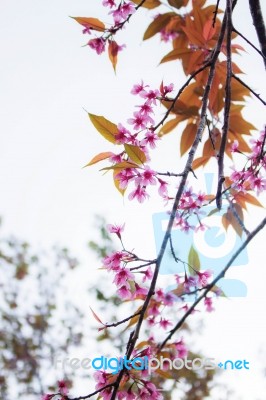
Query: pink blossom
[[47, 396], [140, 291], [234, 146], [150, 139], [166, 36], [164, 323], [116, 229], [127, 9], [101, 378], [208, 304], [165, 89], [148, 274], [147, 177], [140, 193], [122, 276], [162, 188], [150, 96], [169, 299], [154, 309], [116, 158], [145, 109], [203, 278], [140, 121], [181, 349], [108, 3], [258, 183], [138, 88], [190, 282], [123, 135], [159, 294], [87, 29], [124, 292], [97, 44], [62, 386], [124, 177], [113, 261]]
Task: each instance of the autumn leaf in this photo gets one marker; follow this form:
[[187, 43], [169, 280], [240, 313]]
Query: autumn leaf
[[90, 23], [208, 30], [193, 261], [150, 4], [200, 162], [187, 138], [178, 3], [135, 154], [117, 183], [98, 158], [157, 25], [105, 127], [113, 49], [120, 166]]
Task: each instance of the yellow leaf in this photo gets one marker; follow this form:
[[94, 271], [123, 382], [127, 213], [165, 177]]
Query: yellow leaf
[[121, 166], [105, 127], [99, 157], [193, 261], [91, 23], [135, 154], [251, 199], [116, 182], [170, 125]]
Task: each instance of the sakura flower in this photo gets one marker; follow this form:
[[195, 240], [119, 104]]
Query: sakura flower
[[164, 323], [258, 183], [124, 177], [124, 292], [62, 386], [122, 276], [113, 261], [147, 177], [208, 304], [234, 146], [165, 89], [145, 109], [162, 188], [97, 44], [108, 3], [123, 135], [47, 396], [150, 96], [140, 291], [181, 349], [127, 9], [138, 88], [166, 35], [140, 121], [115, 158], [140, 193], [116, 229], [150, 139], [148, 274], [203, 278], [87, 29], [101, 378]]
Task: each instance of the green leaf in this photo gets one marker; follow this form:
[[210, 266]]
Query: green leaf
[[105, 127], [193, 261], [135, 154]]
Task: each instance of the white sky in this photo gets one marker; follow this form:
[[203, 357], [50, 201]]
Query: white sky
[[46, 78]]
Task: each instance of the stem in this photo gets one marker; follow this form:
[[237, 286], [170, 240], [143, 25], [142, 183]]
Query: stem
[[258, 23]]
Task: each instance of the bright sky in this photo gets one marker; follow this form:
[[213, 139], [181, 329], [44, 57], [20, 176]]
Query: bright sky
[[46, 79]]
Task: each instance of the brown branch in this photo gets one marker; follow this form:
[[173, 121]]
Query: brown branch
[[215, 12], [258, 23], [91, 394], [249, 88], [213, 283], [120, 322], [227, 105]]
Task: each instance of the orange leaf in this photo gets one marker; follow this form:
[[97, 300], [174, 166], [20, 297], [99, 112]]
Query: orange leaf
[[99, 157], [96, 317], [200, 162], [175, 54], [113, 49], [150, 4], [157, 25], [116, 182], [91, 23], [187, 138], [120, 166], [251, 199], [208, 30]]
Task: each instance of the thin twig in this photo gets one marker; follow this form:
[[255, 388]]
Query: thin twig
[[249, 88], [215, 13], [248, 41], [120, 322]]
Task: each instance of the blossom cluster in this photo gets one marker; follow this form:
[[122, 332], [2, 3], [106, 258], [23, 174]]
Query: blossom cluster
[[251, 177], [143, 137], [120, 14]]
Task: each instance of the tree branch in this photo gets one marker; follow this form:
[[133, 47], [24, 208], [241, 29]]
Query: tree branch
[[258, 23]]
